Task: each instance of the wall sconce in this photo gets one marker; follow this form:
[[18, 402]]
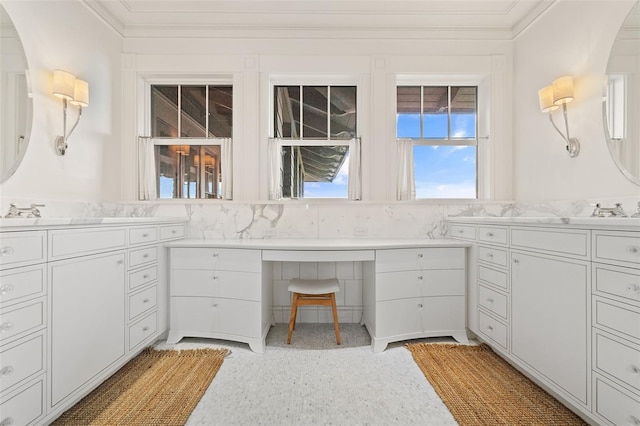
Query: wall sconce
[[71, 90], [551, 97]]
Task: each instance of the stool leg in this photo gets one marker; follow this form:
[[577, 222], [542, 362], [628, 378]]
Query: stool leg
[[292, 316], [335, 317]]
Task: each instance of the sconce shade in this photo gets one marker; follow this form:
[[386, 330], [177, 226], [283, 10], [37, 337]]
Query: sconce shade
[[545, 96], [63, 84], [563, 90], [81, 94]]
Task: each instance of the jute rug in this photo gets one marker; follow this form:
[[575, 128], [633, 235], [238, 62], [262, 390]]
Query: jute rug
[[480, 388], [154, 388]]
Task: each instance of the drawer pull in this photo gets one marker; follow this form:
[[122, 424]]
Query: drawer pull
[[6, 289], [145, 301], [5, 327], [489, 300], [420, 277], [145, 235], [215, 255], [173, 231], [490, 255], [633, 369], [489, 234], [6, 371], [420, 255], [516, 261], [6, 421], [145, 276], [632, 249], [6, 251], [120, 262], [461, 231], [420, 305], [145, 328], [490, 328], [633, 288], [145, 255], [215, 277], [633, 420]]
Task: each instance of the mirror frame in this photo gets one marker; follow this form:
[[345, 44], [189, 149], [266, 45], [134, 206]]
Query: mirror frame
[[605, 113], [10, 171]]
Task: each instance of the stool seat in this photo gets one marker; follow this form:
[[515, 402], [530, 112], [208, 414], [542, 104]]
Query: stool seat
[[329, 285], [313, 292]]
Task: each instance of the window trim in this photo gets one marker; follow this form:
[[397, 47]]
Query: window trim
[[421, 141]]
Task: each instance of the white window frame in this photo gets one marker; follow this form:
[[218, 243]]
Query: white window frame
[[275, 145], [407, 193], [225, 144]]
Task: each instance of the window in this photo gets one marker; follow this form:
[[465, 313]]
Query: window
[[437, 141], [191, 130], [314, 152]]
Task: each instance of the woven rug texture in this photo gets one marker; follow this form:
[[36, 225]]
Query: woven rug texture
[[480, 388], [154, 388]]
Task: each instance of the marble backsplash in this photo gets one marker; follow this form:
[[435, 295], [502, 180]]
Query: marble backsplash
[[320, 219]]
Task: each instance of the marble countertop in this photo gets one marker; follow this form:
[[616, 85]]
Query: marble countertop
[[626, 222], [46, 222], [320, 243]]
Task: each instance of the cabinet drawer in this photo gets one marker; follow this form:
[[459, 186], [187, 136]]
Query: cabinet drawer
[[197, 315], [228, 284], [617, 282], [22, 248], [621, 247], [493, 301], [143, 276], [493, 256], [143, 301], [22, 318], [466, 232], [493, 329], [143, 235], [142, 256], [617, 317], [20, 361], [620, 360], [565, 242], [216, 259], [614, 404], [492, 276], [74, 242], [24, 407], [171, 232], [493, 234], [419, 259], [405, 284], [17, 284], [143, 329]]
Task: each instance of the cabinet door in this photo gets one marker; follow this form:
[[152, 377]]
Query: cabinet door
[[87, 320], [549, 303], [398, 317]]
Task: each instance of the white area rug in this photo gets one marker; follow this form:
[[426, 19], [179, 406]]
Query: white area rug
[[313, 381]]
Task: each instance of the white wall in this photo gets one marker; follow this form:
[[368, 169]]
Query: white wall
[[65, 35], [572, 37]]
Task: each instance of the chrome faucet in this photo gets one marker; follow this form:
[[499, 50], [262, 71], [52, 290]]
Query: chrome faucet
[[613, 211], [32, 211]]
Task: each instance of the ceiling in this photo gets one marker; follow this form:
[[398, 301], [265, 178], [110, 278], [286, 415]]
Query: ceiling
[[487, 19]]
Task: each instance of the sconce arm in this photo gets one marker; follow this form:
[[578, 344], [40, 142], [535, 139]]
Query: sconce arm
[[572, 144]]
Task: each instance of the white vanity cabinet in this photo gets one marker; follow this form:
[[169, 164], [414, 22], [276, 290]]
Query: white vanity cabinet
[[572, 299], [23, 326], [419, 292], [616, 326], [77, 302], [219, 293]]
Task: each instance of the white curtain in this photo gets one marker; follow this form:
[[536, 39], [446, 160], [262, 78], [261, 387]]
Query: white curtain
[[146, 169], [406, 180], [355, 171], [227, 168], [275, 169]]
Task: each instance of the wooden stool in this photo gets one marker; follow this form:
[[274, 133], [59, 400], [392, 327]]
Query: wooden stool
[[313, 292]]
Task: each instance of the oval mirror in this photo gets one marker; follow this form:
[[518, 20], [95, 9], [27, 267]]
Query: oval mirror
[[15, 100], [621, 101]]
